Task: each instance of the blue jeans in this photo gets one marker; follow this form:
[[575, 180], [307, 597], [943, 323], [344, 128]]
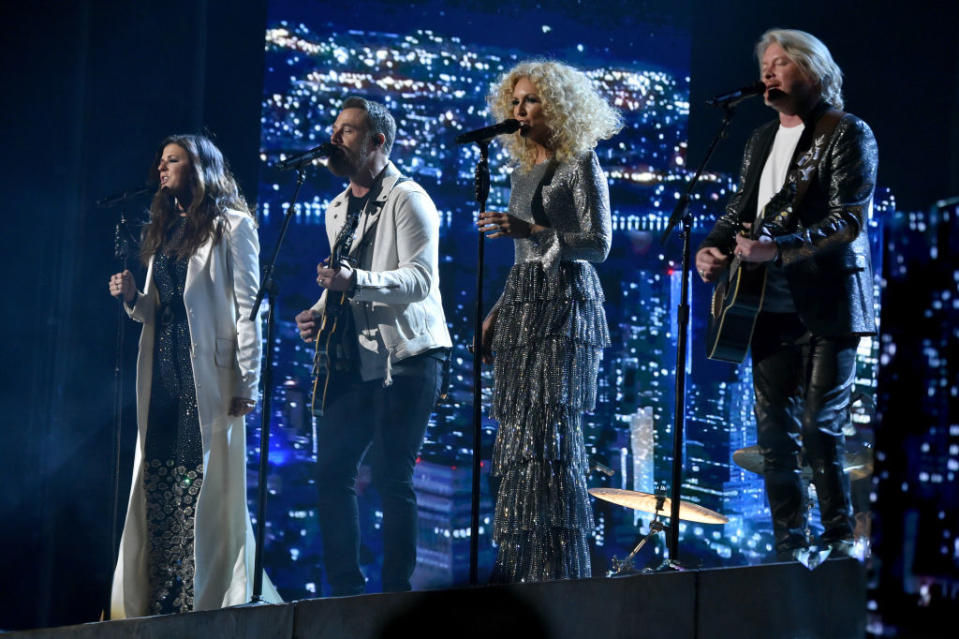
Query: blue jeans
[[389, 423]]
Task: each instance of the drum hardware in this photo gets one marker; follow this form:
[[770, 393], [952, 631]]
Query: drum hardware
[[857, 461], [657, 504]]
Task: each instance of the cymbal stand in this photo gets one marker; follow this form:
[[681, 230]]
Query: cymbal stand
[[625, 566]]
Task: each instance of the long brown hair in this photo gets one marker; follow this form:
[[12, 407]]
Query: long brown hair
[[213, 189]]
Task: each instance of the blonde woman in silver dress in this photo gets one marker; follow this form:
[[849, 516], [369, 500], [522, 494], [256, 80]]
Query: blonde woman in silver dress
[[546, 333]]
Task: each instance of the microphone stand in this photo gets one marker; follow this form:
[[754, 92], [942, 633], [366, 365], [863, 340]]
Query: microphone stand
[[123, 247], [268, 288], [482, 184], [681, 214]]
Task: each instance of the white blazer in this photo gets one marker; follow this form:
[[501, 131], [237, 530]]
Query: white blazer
[[397, 308], [221, 285]]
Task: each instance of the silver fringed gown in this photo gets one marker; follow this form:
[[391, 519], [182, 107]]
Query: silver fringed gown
[[548, 340]]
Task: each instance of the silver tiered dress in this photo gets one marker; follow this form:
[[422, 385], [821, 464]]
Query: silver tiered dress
[[548, 341]]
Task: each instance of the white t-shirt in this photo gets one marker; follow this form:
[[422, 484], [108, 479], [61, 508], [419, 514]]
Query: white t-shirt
[[774, 171], [778, 298]]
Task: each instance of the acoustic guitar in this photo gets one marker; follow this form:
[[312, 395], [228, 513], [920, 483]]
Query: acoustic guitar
[[735, 305], [738, 296], [335, 344]]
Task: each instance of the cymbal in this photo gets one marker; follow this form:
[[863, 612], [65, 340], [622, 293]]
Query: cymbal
[[750, 459], [647, 503], [857, 461]]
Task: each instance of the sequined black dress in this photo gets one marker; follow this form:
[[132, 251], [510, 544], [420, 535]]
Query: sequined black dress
[[548, 341], [173, 469]]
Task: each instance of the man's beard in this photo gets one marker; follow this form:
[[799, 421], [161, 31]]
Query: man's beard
[[340, 165], [345, 162]]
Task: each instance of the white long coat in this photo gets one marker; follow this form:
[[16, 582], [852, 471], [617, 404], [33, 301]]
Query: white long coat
[[221, 285]]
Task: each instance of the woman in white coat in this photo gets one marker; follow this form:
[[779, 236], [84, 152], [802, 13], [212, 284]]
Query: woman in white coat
[[187, 541]]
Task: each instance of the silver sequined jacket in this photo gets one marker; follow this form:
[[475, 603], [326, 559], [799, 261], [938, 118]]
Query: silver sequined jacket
[[823, 242], [572, 201]]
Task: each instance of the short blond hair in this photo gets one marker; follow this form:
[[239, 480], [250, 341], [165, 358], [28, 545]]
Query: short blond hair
[[812, 55], [575, 113]]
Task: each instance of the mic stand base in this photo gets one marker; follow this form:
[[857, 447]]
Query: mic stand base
[[666, 565], [252, 603]]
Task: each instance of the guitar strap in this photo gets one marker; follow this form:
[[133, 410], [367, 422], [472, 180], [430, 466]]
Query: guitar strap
[[802, 172], [372, 212], [344, 239], [351, 251], [342, 347], [343, 246]]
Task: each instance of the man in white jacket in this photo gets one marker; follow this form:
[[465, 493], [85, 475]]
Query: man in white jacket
[[388, 351]]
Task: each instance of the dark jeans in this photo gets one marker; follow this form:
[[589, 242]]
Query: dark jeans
[[389, 422], [803, 385]]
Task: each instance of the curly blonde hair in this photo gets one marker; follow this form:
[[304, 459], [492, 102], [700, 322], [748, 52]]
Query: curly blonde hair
[[576, 115]]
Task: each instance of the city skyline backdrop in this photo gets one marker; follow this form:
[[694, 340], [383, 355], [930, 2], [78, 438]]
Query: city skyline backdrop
[[435, 81]]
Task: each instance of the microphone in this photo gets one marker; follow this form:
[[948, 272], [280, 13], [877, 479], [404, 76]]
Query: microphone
[[489, 132], [129, 194], [325, 150], [733, 98]]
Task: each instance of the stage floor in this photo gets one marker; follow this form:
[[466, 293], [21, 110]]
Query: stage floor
[[768, 601]]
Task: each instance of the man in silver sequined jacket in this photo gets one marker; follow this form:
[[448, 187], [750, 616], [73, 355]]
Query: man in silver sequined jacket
[[818, 300]]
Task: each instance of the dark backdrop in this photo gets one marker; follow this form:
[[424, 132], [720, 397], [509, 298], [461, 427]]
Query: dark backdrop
[[901, 66], [89, 89]]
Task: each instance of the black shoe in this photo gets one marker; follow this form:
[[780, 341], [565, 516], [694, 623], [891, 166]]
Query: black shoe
[[792, 554], [811, 557], [857, 549]]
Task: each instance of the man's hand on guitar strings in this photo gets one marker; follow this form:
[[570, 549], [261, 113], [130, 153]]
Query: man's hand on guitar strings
[[306, 322], [339, 279], [710, 262], [756, 251]]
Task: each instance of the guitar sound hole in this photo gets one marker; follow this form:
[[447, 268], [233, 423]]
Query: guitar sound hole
[[717, 303]]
